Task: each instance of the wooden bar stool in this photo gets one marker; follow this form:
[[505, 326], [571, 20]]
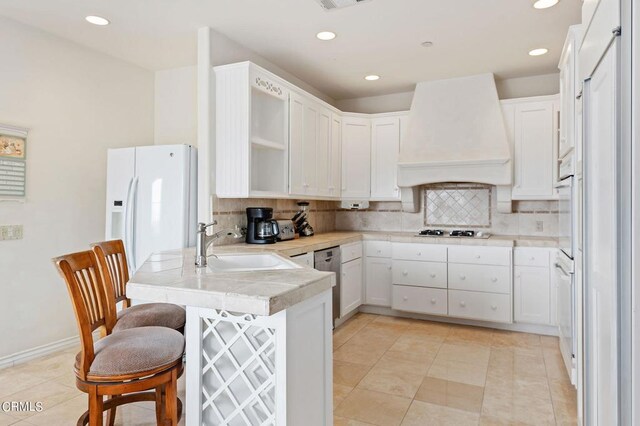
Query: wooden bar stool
[[112, 261], [123, 365]]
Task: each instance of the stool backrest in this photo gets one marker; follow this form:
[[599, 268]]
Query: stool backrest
[[90, 304], [112, 261]]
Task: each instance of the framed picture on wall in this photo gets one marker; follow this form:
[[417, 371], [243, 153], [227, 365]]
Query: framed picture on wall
[[13, 162]]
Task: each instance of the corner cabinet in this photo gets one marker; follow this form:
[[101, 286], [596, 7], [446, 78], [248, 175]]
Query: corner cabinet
[[532, 126], [252, 132]]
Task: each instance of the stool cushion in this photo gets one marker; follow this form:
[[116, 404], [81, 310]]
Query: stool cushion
[[151, 314], [134, 351]]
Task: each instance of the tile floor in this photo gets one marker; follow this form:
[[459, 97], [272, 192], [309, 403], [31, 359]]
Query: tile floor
[[387, 371]]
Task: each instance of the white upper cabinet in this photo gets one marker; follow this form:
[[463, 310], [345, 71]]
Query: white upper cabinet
[[315, 149], [532, 128], [304, 120], [356, 158], [335, 157], [385, 146], [569, 89], [252, 123]]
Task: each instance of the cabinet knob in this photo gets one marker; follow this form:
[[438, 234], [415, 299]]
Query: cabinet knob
[[517, 275], [389, 267], [405, 298], [405, 273], [463, 277], [433, 301], [306, 185], [344, 188], [432, 275], [331, 188], [532, 258], [379, 251], [494, 307], [477, 256], [463, 304], [494, 280], [419, 253]]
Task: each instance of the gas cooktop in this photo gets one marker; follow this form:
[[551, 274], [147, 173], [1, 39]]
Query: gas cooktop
[[456, 233]]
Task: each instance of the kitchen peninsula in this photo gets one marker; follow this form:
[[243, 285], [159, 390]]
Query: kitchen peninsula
[[258, 335]]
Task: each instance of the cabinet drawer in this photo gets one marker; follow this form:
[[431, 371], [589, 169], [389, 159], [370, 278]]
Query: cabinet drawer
[[480, 306], [351, 251], [480, 255], [531, 257], [378, 248], [420, 300], [489, 278], [421, 274], [426, 252]]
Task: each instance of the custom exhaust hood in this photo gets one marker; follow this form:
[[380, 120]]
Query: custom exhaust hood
[[455, 133]]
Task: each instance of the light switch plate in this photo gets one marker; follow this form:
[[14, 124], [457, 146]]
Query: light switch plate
[[10, 232]]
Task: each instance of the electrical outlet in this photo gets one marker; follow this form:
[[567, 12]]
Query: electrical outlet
[[539, 226], [10, 232]]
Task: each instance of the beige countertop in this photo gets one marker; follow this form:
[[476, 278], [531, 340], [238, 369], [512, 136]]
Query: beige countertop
[[172, 277], [331, 239]]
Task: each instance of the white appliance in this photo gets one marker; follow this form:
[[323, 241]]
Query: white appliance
[[565, 268], [151, 199]]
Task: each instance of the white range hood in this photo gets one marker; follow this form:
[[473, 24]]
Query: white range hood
[[456, 133]]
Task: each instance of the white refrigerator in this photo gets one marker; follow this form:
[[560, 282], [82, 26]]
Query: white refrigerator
[[151, 199]]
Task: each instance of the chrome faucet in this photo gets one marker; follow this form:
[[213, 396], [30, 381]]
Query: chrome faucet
[[203, 241]]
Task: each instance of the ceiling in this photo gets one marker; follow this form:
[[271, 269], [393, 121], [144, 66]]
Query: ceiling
[[381, 36]]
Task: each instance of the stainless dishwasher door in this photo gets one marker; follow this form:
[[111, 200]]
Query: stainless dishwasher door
[[329, 260]]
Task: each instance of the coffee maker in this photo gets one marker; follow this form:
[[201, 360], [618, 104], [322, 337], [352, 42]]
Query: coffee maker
[[261, 227]]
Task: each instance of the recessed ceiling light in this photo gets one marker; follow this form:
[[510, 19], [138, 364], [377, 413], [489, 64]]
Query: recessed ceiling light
[[538, 52], [326, 35], [426, 44], [97, 20], [372, 77], [543, 4]]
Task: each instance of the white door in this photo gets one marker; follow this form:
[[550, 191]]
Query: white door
[[356, 158], [600, 243], [323, 152], [350, 286], [161, 200], [120, 172], [378, 281], [335, 162], [385, 146], [533, 151], [531, 294]]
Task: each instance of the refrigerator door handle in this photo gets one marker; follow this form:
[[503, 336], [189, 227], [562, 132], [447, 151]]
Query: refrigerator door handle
[[134, 208], [129, 236]]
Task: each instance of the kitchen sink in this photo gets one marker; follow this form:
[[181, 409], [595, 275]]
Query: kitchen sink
[[248, 262]]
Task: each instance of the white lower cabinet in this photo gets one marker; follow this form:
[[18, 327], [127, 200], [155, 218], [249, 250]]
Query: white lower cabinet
[[480, 306], [378, 281], [533, 289], [420, 300], [351, 283]]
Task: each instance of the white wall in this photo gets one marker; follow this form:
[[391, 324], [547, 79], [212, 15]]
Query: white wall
[[76, 103], [538, 85], [176, 100]]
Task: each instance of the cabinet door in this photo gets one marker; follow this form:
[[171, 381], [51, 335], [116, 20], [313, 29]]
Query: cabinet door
[[532, 295], [533, 151], [304, 115], [323, 151], [378, 281], [385, 145], [335, 157], [356, 158], [350, 286]]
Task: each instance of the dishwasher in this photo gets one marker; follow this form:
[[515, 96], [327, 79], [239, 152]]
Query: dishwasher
[[329, 260]]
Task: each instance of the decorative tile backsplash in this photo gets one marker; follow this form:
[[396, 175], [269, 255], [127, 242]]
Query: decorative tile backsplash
[[461, 205]]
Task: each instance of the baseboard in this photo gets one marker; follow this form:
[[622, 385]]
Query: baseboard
[[37, 352], [547, 330]]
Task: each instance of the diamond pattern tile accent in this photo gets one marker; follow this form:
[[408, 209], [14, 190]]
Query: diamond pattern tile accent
[[456, 205], [238, 382]]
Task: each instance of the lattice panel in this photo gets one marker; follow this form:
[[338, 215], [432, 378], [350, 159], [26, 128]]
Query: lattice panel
[[238, 371], [458, 205]]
